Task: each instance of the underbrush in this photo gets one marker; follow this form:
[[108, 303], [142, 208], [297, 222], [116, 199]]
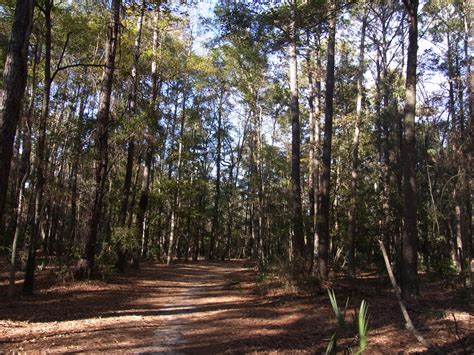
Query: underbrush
[[281, 278]]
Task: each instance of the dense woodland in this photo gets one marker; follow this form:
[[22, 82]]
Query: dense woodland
[[300, 133]]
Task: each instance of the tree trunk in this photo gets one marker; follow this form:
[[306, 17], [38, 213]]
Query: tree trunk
[[216, 220], [143, 202], [131, 112], [131, 108], [325, 184], [468, 33], [14, 82], [297, 213], [24, 175], [147, 171], [40, 160], [314, 102], [352, 213], [410, 239], [176, 196], [85, 264], [72, 223]]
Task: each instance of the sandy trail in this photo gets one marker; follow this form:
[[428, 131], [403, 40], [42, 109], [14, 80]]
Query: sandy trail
[[161, 309], [208, 308]]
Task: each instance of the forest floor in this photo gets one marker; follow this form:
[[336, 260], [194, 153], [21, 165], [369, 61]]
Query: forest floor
[[205, 308]]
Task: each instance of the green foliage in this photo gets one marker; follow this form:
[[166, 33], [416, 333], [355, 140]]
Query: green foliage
[[331, 349], [261, 277], [340, 316], [125, 237], [361, 323], [105, 260]]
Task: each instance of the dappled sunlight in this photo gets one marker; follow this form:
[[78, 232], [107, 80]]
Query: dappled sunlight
[[207, 308]]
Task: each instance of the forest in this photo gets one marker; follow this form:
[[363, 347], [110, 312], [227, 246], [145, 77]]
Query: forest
[[162, 159]]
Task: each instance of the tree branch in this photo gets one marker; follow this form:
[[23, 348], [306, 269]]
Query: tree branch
[[84, 65], [409, 324], [40, 7], [62, 55]]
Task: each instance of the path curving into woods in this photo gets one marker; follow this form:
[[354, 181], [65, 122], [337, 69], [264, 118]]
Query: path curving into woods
[[201, 308]]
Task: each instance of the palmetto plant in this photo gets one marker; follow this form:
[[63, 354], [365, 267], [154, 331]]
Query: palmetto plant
[[361, 322], [362, 325], [340, 318]]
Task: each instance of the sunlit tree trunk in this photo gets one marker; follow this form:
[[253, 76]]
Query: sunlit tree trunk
[[314, 80]]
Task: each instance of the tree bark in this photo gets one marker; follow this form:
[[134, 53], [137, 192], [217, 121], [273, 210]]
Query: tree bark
[[131, 112], [85, 264], [40, 160], [352, 213], [176, 195], [314, 102], [297, 211], [410, 238], [24, 173], [11, 94], [325, 184], [216, 227], [147, 171], [131, 108]]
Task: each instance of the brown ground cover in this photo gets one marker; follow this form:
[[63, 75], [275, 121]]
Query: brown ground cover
[[206, 308]]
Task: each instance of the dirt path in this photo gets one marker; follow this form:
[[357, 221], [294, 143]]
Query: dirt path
[[205, 308]]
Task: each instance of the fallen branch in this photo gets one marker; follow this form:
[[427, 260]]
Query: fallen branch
[[409, 324], [457, 333]]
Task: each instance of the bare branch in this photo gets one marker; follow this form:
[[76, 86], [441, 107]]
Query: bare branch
[[62, 56]]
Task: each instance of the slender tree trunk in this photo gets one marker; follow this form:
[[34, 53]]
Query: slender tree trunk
[[40, 160], [325, 184], [469, 33], [24, 174], [176, 196], [352, 213], [143, 202], [216, 220], [297, 211], [314, 72], [72, 223], [14, 82], [131, 108], [410, 238], [261, 192], [85, 264], [147, 171], [131, 112]]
